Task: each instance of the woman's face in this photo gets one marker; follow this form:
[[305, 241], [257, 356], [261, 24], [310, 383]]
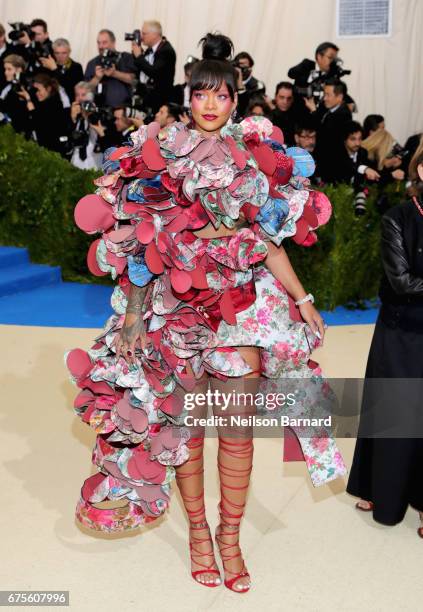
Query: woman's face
[[211, 109], [420, 171], [10, 71], [41, 92]]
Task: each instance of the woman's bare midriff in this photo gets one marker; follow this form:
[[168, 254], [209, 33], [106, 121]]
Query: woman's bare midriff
[[209, 231]]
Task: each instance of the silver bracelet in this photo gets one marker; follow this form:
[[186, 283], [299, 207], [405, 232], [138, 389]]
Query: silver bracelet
[[308, 298]]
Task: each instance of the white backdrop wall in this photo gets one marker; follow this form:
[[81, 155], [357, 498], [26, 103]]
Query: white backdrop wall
[[386, 72]]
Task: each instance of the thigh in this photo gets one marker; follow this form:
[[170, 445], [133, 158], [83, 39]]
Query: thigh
[[233, 400]]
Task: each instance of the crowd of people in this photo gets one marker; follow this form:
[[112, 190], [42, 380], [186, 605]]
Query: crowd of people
[[46, 95]]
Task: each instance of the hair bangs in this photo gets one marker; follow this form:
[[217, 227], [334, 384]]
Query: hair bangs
[[211, 74]]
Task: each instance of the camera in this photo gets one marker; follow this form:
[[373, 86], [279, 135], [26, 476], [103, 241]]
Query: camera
[[18, 30], [245, 70], [108, 58], [134, 36], [19, 81], [360, 203], [96, 113], [133, 113], [317, 80], [398, 151]]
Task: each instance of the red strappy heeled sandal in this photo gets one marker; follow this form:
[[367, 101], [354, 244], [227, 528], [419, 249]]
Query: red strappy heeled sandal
[[231, 529], [199, 526]]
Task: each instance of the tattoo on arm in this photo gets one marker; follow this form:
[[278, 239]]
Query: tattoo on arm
[[136, 299]]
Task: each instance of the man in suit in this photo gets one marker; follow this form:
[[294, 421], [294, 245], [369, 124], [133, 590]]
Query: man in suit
[[156, 66], [289, 111], [350, 164], [330, 118], [5, 50], [325, 55], [63, 68], [251, 87], [113, 83]]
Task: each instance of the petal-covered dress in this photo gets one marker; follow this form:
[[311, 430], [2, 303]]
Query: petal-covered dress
[[204, 298]]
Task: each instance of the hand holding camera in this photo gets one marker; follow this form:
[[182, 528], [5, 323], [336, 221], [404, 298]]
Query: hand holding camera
[[48, 62]]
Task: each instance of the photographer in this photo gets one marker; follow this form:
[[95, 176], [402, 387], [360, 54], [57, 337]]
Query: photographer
[[110, 72], [330, 119], [305, 135], [288, 111], [61, 67], [155, 66], [124, 125], [32, 42], [48, 119], [11, 103], [310, 76], [88, 133], [251, 87], [168, 114], [5, 50]]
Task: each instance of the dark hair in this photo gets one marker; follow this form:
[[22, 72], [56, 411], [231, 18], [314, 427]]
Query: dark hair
[[214, 69], [38, 22], [351, 127], [258, 101], [244, 55], [109, 33], [339, 87], [47, 81], [371, 123], [320, 50], [284, 85], [2, 30], [174, 110], [305, 125]]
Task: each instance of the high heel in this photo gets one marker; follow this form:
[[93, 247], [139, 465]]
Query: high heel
[[229, 584], [195, 509], [235, 463], [207, 568]]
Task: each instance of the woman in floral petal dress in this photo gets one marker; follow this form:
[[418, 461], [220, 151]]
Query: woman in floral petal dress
[[192, 220]]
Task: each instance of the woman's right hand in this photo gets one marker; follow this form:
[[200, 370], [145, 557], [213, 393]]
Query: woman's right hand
[[133, 330]]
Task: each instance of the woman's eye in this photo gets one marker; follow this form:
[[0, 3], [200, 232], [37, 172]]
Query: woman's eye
[[199, 96], [223, 96]]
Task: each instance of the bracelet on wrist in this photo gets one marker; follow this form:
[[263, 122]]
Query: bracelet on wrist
[[308, 298]]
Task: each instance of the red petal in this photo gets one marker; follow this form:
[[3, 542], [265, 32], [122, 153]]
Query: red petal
[[181, 281], [119, 152], [277, 134], [199, 278], [145, 232], [93, 214], [310, 216], [227, 308], [178, 224], [151, 155], [153, 260], [79, 363], [92, 261], [303, 229], [265, 159], [237, 154], [172, 405]]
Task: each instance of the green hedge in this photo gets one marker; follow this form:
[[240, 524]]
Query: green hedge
[[39, 190]]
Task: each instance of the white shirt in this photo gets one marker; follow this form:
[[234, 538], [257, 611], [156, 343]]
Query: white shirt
[[150, 59], [93, 160]]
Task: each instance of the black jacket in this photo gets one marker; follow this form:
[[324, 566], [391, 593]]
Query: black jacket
[[68, 76], [158, 90], [301, 71], [329, 137], [401, 288], [343, 169], [286, 120]]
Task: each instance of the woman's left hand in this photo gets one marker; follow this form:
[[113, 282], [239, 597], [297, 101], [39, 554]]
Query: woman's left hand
[[313, 318]]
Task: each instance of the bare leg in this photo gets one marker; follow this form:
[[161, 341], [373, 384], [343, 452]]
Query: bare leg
[[235, 457], [190, 481]]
